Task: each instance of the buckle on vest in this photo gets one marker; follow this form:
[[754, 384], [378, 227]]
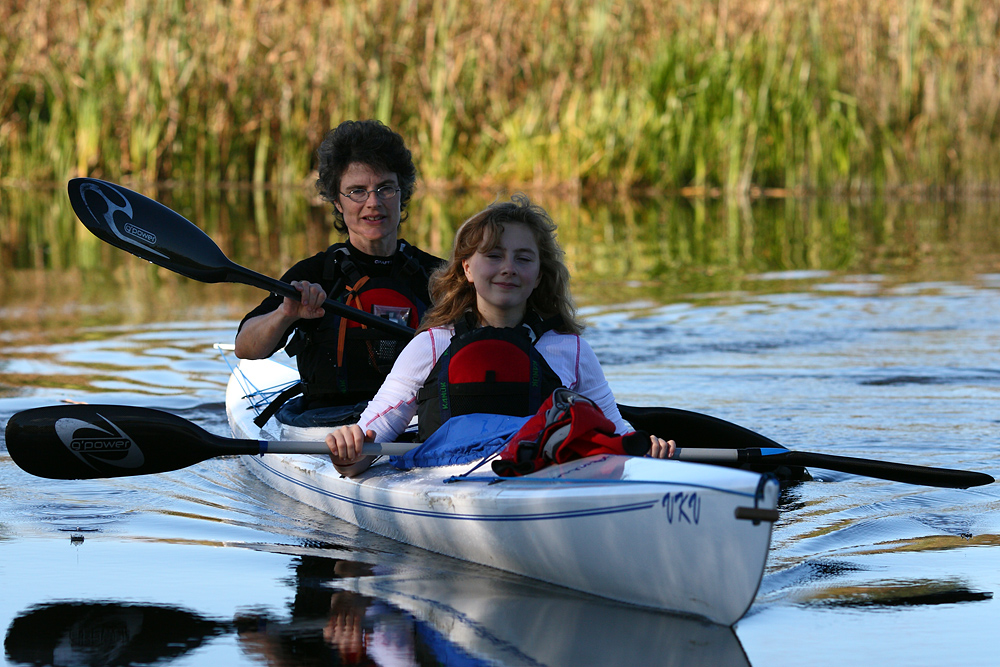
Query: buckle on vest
[[563, 400]]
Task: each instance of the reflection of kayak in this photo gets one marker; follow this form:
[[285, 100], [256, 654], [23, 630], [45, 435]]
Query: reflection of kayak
[[507, 620], [670, 535]]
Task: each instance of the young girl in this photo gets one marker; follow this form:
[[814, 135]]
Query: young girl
[[501, 336]]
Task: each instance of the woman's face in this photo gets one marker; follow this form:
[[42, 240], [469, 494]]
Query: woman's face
[[505, 276], [372, 225]]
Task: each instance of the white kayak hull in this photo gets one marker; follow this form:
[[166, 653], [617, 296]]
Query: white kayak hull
[[660, 534]]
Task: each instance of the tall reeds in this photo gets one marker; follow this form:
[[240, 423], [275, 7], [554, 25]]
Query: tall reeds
[[585, 95]]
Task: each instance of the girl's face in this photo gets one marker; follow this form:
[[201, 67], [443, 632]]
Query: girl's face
[[373, 224], [505, 276]]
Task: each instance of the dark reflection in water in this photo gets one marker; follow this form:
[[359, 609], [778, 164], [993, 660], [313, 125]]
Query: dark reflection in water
[[975, 376], [917, 594], [329, 626], [84, 634]]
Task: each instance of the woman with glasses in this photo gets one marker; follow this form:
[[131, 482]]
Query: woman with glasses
[[367, 174]]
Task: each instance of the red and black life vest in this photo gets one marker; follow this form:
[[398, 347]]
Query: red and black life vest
[[487, 370], [340, 360]]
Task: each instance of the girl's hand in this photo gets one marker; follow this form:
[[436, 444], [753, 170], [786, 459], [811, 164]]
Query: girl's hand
[[345, 444], [661, 449]]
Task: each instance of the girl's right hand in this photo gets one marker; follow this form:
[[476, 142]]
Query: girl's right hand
[[345, 444]]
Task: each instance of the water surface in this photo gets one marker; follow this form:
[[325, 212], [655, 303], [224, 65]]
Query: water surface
[[875, 338]]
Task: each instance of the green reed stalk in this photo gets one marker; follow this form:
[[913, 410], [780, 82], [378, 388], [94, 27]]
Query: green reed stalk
[[605, 96]]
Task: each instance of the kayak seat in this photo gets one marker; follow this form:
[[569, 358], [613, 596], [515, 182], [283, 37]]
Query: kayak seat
[[294, 414]]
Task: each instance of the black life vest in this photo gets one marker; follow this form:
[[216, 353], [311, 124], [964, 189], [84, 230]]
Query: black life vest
[[487, 370], [340, 360]]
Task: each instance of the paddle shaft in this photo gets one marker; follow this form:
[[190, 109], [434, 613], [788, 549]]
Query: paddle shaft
[[306, 447], [92, 441], [240, 274]]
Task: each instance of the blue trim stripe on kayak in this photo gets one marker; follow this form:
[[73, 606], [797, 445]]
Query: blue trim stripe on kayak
[[629, 507], [556, 481]]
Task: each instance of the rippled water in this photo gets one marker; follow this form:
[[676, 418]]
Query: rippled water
[[206, 566]]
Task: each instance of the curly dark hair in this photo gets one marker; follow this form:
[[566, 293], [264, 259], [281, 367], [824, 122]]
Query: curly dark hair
[[371, 143]]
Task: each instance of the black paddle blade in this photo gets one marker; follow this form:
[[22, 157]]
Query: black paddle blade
[[897, 472], [150, 230], [693, 429], [147, 229], [93, 441]]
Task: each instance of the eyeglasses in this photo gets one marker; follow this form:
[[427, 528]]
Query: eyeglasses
[[360, 195]]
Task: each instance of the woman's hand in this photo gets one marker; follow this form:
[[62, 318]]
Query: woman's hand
[[259, 335], [310, 304], [660, 448]]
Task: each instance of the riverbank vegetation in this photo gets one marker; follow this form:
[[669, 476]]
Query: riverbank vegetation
[[779, 96]]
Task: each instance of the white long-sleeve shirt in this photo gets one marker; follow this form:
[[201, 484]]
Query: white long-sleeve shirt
[[571, 357]]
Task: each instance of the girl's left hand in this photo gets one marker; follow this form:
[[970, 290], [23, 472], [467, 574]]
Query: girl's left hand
[[661, 449]]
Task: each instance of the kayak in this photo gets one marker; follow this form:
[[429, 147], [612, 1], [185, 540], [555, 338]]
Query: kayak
[[671, 535]]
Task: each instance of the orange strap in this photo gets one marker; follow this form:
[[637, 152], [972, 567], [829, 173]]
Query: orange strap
[[352, 300]]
